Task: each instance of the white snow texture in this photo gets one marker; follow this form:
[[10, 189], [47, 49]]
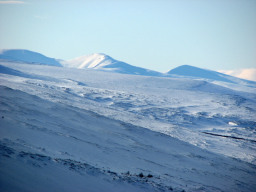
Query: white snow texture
[[97, 124]]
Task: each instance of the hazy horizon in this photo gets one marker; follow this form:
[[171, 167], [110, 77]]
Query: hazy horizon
[[157, 35]]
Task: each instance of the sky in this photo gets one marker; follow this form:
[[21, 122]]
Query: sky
[[154, 34]]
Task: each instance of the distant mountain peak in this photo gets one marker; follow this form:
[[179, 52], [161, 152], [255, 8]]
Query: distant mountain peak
[[26, 56], [199, 73], [102, 61], [105, 62], [195, 72], [94, 61]]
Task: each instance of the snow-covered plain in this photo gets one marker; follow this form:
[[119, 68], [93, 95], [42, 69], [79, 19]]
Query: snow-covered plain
[[69, 129]]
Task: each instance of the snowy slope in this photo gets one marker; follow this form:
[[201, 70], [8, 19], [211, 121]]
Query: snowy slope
[[104, 129], [47, 143], [104, 62], [22, 55]]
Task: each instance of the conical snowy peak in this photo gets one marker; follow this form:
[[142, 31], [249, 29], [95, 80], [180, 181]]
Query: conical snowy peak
[[96, 61], [104, 62], [26, 56]]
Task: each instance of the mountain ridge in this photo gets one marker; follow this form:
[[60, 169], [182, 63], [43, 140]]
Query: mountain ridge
[[104, 62]]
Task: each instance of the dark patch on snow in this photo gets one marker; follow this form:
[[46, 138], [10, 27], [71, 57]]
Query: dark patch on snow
[[231, 137]]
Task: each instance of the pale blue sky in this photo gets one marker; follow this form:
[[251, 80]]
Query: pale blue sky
[[154, 34]]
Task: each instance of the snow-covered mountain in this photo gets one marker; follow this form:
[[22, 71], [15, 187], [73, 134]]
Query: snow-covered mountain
[[102, 61], [199, 73], [66, 129], [26, 56]]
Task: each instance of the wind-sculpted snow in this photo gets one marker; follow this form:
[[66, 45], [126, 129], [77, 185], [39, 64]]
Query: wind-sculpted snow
[[108, 130], [54, 174]]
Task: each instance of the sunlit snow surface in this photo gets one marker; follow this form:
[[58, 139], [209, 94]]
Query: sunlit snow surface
[[95, 126], [104, 62]]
